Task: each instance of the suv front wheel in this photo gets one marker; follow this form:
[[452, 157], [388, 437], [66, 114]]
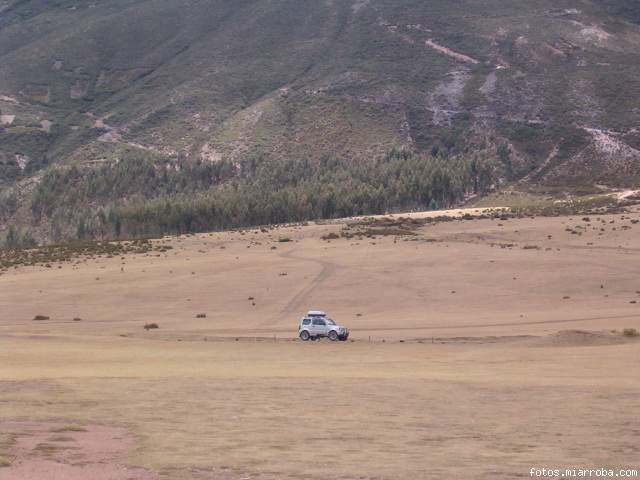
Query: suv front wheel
[[333, 335], [304, 335]]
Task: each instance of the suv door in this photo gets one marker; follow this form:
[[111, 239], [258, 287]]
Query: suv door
[[318, 327]]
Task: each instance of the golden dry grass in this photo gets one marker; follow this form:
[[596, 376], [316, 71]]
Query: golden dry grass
[[490, 403]]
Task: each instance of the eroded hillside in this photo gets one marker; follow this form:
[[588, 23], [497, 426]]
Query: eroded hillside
[[547, 93]]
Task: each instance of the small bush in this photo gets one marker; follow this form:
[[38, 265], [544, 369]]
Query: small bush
[[284, 239], [77, 319], [201, 315], [151, 326], [630, 332], [69, 428], [40, 318], [331, 236]]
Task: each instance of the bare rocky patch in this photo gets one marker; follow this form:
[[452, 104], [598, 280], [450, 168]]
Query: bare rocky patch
[[461, 57]]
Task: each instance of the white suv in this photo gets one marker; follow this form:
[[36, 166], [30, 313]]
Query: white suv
[[316, 324]]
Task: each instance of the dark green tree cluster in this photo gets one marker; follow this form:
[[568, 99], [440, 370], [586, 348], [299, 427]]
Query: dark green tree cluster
[[8, 203], [268, 192], [136, 178], [19, 239]]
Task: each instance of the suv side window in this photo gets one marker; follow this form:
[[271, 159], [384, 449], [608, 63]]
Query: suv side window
[[306, 321], [317, 321]]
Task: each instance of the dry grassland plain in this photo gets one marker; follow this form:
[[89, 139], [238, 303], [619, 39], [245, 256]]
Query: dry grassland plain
[[481, 348]]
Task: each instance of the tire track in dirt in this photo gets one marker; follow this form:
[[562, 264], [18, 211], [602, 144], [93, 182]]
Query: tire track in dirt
[[296, 302]]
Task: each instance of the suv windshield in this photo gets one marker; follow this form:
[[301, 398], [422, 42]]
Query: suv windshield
[[330, 322]]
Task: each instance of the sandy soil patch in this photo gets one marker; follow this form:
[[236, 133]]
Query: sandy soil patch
[[581, 338], [67, 452]]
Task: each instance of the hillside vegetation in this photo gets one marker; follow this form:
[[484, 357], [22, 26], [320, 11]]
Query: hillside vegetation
[[132, 117]]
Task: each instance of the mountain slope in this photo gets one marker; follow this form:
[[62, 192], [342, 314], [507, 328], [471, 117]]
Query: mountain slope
[[549, 89]]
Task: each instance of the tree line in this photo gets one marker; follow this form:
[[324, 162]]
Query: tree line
[[142, 196], [272, 192]]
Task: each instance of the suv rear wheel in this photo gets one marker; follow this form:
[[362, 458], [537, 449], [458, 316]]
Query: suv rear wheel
[[304, 335], [333, 335]]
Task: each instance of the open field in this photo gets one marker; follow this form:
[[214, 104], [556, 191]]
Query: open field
[[482, 348]]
